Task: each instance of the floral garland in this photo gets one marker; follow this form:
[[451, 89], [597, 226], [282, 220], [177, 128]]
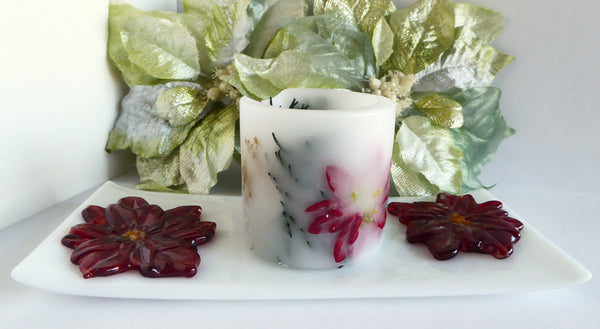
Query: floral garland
[[186, 72]]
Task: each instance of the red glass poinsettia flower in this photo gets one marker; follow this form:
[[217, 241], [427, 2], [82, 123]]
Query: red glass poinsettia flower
[[458, 223], [133, 234], [347, 211]]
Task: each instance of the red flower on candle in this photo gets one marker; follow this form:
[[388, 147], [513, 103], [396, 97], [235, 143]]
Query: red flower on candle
[[347, 211], [133, 234]]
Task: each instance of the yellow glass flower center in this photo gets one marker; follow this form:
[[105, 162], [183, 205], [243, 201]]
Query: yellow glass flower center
[[134, 235], [459, 219]]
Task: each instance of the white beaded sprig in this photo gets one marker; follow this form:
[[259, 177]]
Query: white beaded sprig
[[221, 88], [396, 86]]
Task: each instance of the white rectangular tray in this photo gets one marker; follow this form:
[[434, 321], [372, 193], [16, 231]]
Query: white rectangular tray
[[229, 271]]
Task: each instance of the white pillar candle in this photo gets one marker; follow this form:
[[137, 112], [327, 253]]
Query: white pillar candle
[[316, 180]]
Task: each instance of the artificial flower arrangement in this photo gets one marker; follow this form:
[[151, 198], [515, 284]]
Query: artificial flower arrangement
[[186, 72]]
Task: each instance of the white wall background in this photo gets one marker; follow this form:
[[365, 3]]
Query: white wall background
[[60, 98], [550, 95], [59, 101]]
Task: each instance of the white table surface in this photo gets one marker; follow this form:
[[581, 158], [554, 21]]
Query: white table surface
[[570, 220]]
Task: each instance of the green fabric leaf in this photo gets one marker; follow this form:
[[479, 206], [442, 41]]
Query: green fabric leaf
[[180, 105], [208, 150], [256, 74], [366, 13], [328, 32], [430, 151], [383, 41], [160, 173], [226, 35], [153, 47], [200, 8], [483, 129], [469, 63], [423, 31], [317, 52], [146, 131], [233, 78], [441, 110], [407, 181], [268, 16], [486, 24]]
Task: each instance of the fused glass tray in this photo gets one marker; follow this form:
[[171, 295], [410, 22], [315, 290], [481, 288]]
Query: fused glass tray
[[229, 270]]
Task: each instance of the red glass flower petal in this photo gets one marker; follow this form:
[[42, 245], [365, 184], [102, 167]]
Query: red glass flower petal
[[104, 263], [148, 215], [132, 202], [180, 261], [84, 232], [458, 223], [119, 218], [133, 234], [94, 215], [194, 211], [105, 244], [193, 231]]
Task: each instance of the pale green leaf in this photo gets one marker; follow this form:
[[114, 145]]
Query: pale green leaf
[[180, 105], [423, 31], [226, 35], [208, 150], [483, 129], [196, 28], [319, 33], [200, 8], [407, 181], [383, 41], [268, 16], [233, 78], [152, 47], [429, 150], [317, 52], [442, 111], [141, 128], [469, 63], [255, 76], [160, 173], [486, 24], [366, 13]]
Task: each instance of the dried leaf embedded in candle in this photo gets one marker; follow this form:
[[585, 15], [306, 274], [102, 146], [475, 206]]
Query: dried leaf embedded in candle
[[146, 129], [423, 31], [483, 129], [430, 151], [208, 150], [154, 47], [442, 111]]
